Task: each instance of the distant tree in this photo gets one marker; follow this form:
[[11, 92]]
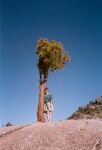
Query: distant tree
[[8, 124], [80, 109], [91, 102], [51, 57]]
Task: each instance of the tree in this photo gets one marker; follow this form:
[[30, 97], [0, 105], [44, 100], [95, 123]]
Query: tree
[[8, 124], [51, 57]]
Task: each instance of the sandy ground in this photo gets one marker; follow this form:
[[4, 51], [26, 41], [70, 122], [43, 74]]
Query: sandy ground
[[60, 135]]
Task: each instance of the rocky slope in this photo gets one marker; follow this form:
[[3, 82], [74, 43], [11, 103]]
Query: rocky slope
[[62, 135], [91, 110]]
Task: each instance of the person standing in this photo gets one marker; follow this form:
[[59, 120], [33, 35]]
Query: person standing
[[48, 104]]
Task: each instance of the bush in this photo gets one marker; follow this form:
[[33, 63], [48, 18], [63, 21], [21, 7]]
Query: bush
[[8, 124]]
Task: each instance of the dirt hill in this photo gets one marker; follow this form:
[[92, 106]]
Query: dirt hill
[[79, 134], [91, 110]]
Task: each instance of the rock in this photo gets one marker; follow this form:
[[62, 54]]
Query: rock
[[62, 135]]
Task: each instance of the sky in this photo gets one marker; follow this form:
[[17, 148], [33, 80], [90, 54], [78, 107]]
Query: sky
[[75, 23]]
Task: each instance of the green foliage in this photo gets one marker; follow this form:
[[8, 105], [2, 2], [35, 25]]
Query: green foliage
[[91, 102], [51, 56], [80, 109], [8, 124]]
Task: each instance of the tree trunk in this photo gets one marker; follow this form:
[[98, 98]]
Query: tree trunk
[[40, 114]]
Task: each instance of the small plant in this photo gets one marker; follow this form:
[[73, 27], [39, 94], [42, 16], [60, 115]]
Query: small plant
[[8, 124], [80, 109]]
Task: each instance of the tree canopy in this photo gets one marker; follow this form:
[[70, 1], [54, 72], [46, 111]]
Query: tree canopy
[[51, 56]]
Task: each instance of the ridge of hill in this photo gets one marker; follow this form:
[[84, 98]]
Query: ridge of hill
[[92, 110]]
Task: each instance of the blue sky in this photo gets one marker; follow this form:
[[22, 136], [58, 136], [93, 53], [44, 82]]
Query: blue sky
[[75, 23]]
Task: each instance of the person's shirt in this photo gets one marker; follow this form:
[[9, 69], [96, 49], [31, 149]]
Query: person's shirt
[[47, 97]]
